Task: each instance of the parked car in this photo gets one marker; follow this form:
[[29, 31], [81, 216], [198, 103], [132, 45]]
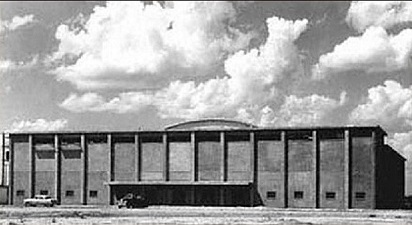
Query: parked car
[[133, 201], [44, 200]]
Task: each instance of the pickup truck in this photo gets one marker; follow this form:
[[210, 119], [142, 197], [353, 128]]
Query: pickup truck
[[44, 200]]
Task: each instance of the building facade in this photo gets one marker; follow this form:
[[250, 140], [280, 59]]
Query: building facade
[[211, 162]]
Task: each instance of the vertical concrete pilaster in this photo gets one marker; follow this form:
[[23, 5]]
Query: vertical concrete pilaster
[[137, 149], [224, 156], [32, 153], [373, 169], [284, 139], [111, 167], [347, 189], [193, 156], [165, 158], [57, 188], [316, 165], [83, 142], [253, 167], [3, 159], [11, 171]]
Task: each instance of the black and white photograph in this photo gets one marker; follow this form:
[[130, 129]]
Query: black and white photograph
[[206, 112]]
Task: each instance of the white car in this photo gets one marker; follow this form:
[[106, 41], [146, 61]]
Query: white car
[[44, 200]]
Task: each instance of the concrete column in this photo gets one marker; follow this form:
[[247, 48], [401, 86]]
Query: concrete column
[[11, 171], [165, 158], [347, 189], [253, 167], [3, 159], [316, 166], [84, 170], [111, 167], [284, 140], [373, 168], [57, 188], [194, 156], [193, 195], [32, 153], [137, 149], [223, 145]]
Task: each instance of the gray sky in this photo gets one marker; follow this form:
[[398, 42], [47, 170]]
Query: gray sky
[[133, 65]]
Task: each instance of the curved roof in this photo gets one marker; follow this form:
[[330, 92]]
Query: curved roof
[[207, 124]]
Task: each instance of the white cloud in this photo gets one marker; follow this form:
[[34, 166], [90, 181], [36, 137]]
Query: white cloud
[[253, 81], [305, 111], [16, 22], [389, 105], [38, 125], [9, 65], [126, 102], [129, 45], [402, 142], [374, 51], [364, 14]]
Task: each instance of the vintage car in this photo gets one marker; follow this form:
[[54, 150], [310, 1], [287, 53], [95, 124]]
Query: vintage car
[[133, 201], [44, 200]]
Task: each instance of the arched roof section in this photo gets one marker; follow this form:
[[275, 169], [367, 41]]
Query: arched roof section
[[210, 124]]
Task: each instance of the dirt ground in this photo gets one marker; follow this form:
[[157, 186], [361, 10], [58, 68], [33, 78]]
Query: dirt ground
[[164, 215]]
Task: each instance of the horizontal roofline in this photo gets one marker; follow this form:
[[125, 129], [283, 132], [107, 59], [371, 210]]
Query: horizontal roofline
[[202, 130]]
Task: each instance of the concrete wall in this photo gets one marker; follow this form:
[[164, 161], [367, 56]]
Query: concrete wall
[[390, 178], [210, 157], [271, 173], [98, 169], [239, 153], [124, 159], [180, 161], [301, 174], [22, 169], [362, 176], [331, 173], [152, 159], [72, 156]]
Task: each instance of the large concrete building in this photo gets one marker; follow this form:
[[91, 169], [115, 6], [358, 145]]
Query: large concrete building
[[211, 162]]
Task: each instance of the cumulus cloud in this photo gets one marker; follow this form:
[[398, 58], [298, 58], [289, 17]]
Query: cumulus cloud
[[133, 45], [389, 105], [253, 81], [308, 110], [38, 125], [9, 65], [15, 22], [364, 14], [373, 51]]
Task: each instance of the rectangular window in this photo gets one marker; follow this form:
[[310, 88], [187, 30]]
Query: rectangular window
[[44, 192], [298, 194], [20, 192], [360, 195], [271, 194], [93, 194], [69, 193], [330, 195]]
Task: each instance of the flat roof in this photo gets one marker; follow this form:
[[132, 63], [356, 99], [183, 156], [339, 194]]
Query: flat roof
[[379, 128]]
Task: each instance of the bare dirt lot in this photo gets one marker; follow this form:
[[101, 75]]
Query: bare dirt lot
[[198, 215]]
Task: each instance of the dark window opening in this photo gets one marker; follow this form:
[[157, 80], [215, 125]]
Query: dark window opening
[[298, 194], [7, 156], [360, 195], [93, 194], [330, 195], [20, 192], [69, 193], [271, 194], [44, 192]]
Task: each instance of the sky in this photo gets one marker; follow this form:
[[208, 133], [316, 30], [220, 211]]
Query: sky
[[144, 65]]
